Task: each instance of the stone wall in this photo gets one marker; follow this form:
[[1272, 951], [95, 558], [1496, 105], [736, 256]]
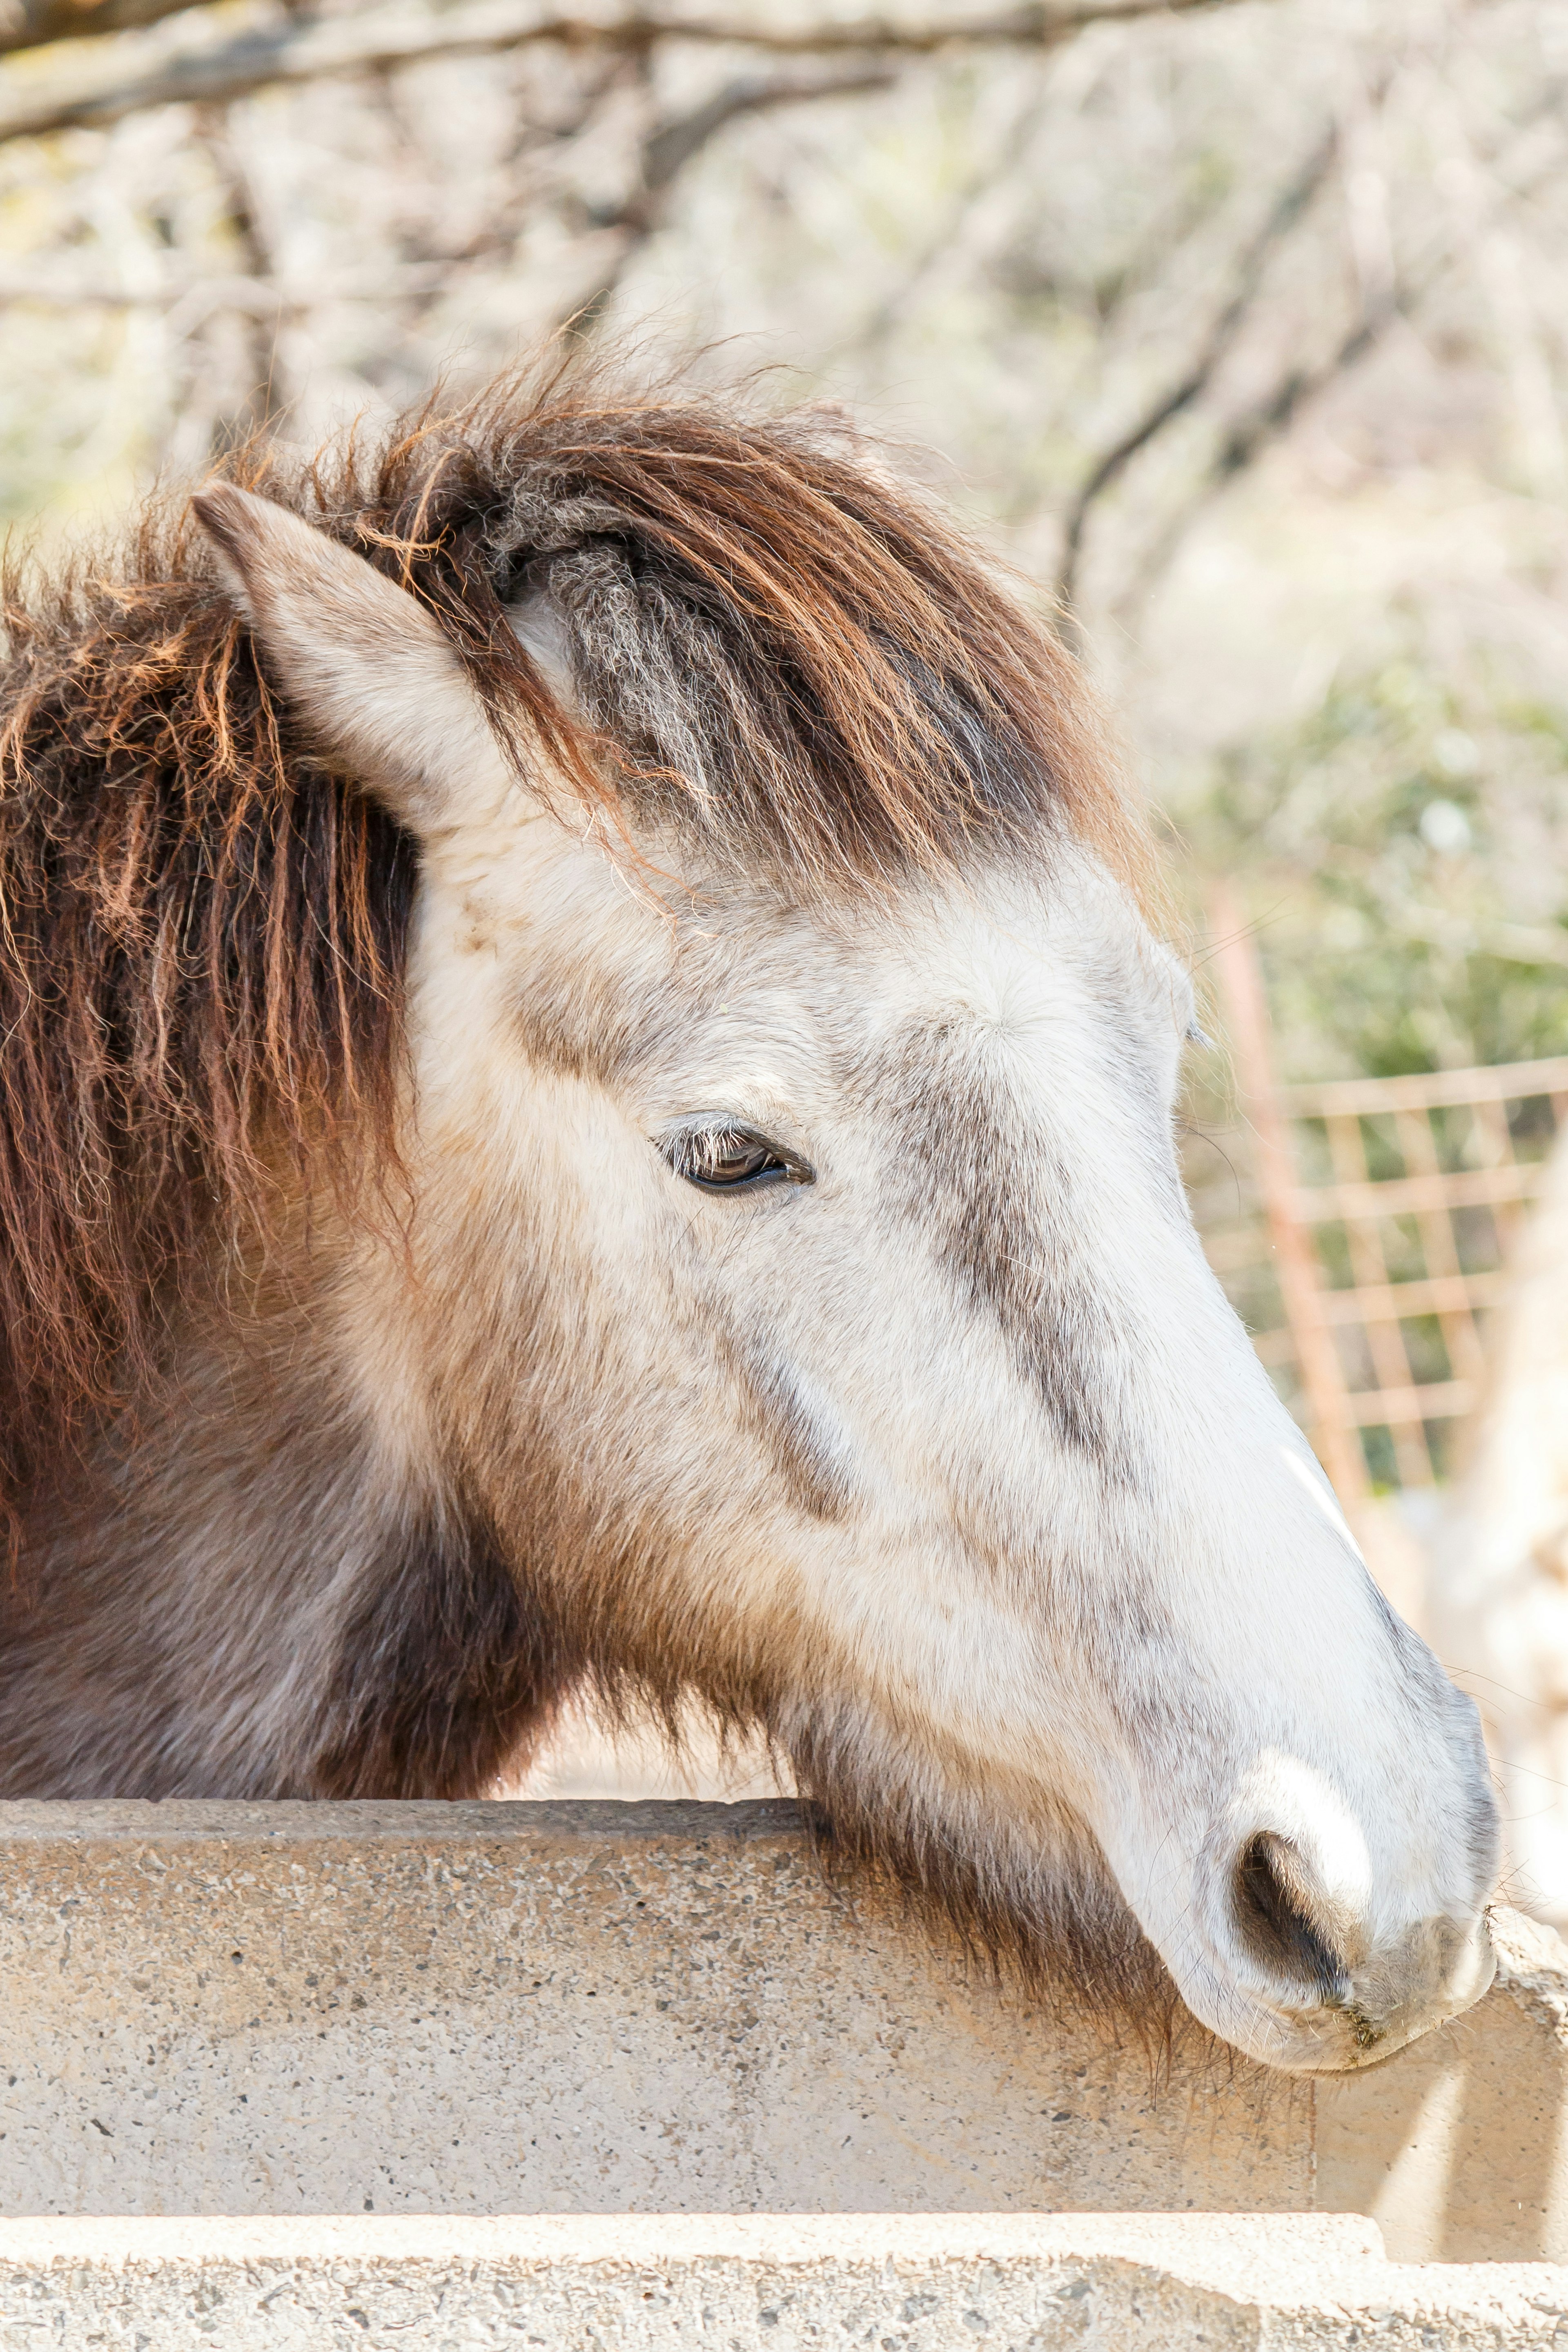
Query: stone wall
[[600, 2008], [1209, 2283]]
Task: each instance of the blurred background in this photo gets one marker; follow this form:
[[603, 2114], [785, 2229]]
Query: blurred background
[[1240, 327]]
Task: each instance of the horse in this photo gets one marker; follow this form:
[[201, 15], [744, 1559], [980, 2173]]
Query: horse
[[588, 1105]]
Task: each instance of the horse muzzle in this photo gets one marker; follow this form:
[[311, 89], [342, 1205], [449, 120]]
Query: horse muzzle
[[1299, 1973], [1431, 1972], [1316, 1933]]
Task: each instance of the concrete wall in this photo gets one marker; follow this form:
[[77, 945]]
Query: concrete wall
[[295, 2010], [1206, 2283]]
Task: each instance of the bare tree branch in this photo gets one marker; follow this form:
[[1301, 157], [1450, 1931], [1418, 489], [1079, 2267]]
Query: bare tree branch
[[31, 24], [1288, 206], [1268, 419], [1249, 434], [383, 37], [258, 293], [191, 297], [674, 143], [263, 397]]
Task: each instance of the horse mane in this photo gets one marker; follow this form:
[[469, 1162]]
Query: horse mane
[[779, 650]]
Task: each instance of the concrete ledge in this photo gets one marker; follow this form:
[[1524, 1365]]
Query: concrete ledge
[[1118, 2283], [605, 2009]]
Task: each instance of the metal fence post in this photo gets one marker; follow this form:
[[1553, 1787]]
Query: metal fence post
[[1335, 1440]]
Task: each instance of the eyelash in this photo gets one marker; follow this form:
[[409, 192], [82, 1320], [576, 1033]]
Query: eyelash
[[728, 1156]]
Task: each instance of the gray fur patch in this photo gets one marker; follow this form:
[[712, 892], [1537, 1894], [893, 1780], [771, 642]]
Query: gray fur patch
[[775, 1413], [976, 1186]]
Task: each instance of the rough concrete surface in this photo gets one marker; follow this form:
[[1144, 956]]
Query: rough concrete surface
[[1020, 2283], [452, 2009]]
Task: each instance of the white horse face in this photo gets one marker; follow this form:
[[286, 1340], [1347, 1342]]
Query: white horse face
[[812, 1299]]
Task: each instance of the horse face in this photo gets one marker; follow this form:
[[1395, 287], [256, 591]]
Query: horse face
[[810, 1301]]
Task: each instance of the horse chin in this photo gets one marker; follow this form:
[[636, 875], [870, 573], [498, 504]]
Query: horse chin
[[1363, 2022], [1029, 1901]]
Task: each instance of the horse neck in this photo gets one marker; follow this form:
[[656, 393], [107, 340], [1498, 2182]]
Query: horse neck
[[238, 1594]]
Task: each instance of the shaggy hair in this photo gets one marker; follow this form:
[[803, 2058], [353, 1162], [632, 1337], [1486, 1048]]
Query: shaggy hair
[[779, 651]]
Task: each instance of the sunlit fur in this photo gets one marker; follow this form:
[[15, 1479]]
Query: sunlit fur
[[387, 867]]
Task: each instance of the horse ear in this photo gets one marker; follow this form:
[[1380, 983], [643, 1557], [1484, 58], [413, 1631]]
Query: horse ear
[[371, 673]]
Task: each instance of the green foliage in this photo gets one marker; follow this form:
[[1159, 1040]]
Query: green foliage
[[1403, 852]]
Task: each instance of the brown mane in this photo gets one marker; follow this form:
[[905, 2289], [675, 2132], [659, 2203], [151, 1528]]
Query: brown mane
[[202, 931]]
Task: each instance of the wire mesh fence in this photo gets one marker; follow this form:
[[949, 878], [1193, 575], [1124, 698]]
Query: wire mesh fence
[[1362, 1230]]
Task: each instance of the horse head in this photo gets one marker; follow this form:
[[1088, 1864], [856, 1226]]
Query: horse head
[[798, 1278]]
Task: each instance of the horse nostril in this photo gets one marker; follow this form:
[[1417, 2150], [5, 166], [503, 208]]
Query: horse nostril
[[1282, 1917]]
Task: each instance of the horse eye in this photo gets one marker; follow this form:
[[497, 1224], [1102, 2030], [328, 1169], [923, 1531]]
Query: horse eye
[[729, 1157]]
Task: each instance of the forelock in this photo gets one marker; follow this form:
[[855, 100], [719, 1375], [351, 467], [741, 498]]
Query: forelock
[[775, 646], [786, 654]]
